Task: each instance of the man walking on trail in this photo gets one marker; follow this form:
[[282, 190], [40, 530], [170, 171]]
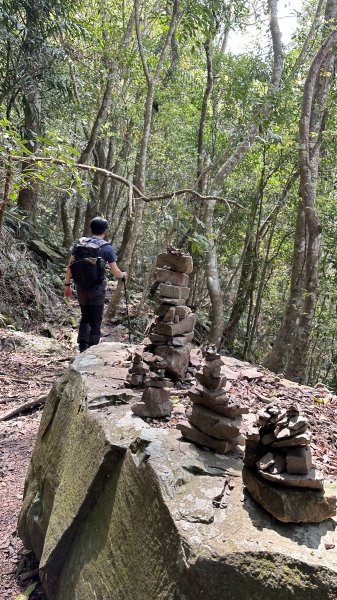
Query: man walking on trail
[[86, 267]]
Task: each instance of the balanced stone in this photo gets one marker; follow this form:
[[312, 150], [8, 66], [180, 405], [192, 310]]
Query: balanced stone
[[158, 338], [312, 480], [181, 340], [266, 461], [213, 383], [159, 410], [173, 277], [183, 311], [156, 395], [178, 262], [193, 434], [173, 291], [299, 460], [173, 301], [289, 505], [169, 315], [227, 408], [184, 326], [302, 439], [212, 423], [176, 359]]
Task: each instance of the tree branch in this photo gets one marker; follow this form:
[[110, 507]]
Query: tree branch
[[135, 189]]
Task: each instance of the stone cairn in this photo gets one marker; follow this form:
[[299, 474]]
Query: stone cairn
[[167, 351], [278, 452], [156, 396], [172, 332], [214, 419]]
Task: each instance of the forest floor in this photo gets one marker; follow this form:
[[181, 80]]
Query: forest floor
[[29, 366]]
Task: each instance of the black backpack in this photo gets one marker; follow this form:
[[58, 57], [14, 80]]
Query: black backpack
[[88, 269]]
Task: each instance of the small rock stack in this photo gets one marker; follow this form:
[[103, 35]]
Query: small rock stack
[[279, 453], [138, 370], [172, 332], [156, 396], [214, 419]]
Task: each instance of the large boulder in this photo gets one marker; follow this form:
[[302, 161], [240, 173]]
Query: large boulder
[[117, 510]]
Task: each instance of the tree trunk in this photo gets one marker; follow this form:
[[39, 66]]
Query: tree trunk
[[134, 224], [290, 351]]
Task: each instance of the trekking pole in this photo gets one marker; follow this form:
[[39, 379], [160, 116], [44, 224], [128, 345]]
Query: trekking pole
[[127, 308]]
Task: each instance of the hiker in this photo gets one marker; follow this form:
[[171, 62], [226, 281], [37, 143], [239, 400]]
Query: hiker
[[86, 267]]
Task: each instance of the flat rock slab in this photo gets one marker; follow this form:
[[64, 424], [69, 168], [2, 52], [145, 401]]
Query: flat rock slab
[[182, 263], [116, 509], [173, 291], [313, 479], [195, 435], [213, 424], [170, 329], [290, 506], [173, 277], [176, 359]]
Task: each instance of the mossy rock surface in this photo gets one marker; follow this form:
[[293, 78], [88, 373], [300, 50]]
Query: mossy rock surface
[[116, 510]]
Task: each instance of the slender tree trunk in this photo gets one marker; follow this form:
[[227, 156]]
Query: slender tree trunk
[[7, 189], [290, 351], [134, 223], [227, 167]]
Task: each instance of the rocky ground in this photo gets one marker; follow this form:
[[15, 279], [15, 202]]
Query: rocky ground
[[29, 366]]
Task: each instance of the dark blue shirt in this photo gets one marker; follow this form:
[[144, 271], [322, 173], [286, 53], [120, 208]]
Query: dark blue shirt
[[107, 252]]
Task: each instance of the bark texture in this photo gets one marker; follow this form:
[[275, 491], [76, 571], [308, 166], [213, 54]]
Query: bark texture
[[291, 347]]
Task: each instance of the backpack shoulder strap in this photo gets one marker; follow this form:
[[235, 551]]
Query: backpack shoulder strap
[[103, 243]]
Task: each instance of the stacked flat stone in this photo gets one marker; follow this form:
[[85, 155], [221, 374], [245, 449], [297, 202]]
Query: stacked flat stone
[[156, 396], [173, 329], [279, 453], [214, 419]]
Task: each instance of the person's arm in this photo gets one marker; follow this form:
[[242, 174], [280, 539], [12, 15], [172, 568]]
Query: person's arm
[[116, 271], [67, 282]]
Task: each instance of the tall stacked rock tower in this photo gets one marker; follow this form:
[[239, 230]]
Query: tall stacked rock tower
[[214, 419], [173, 330], [278, 470]]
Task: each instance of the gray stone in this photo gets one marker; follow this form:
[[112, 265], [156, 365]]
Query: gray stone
[[152, 410], [173, 291], [158, 382], [182, 263], [312, 480], [158, 338], [184, 326], [193, 434], [279, 464], [209, 382], [212, 423], [134, 380], [289, 506], [183, 311], [266, 461], [226, 407], [212, 371], [162, 309], [115, 509], [173, 277], [299, 460], [176, 359], [303, 439], [169, 315], [173, 301], [156, 395], [181, 340], [216, 395]]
